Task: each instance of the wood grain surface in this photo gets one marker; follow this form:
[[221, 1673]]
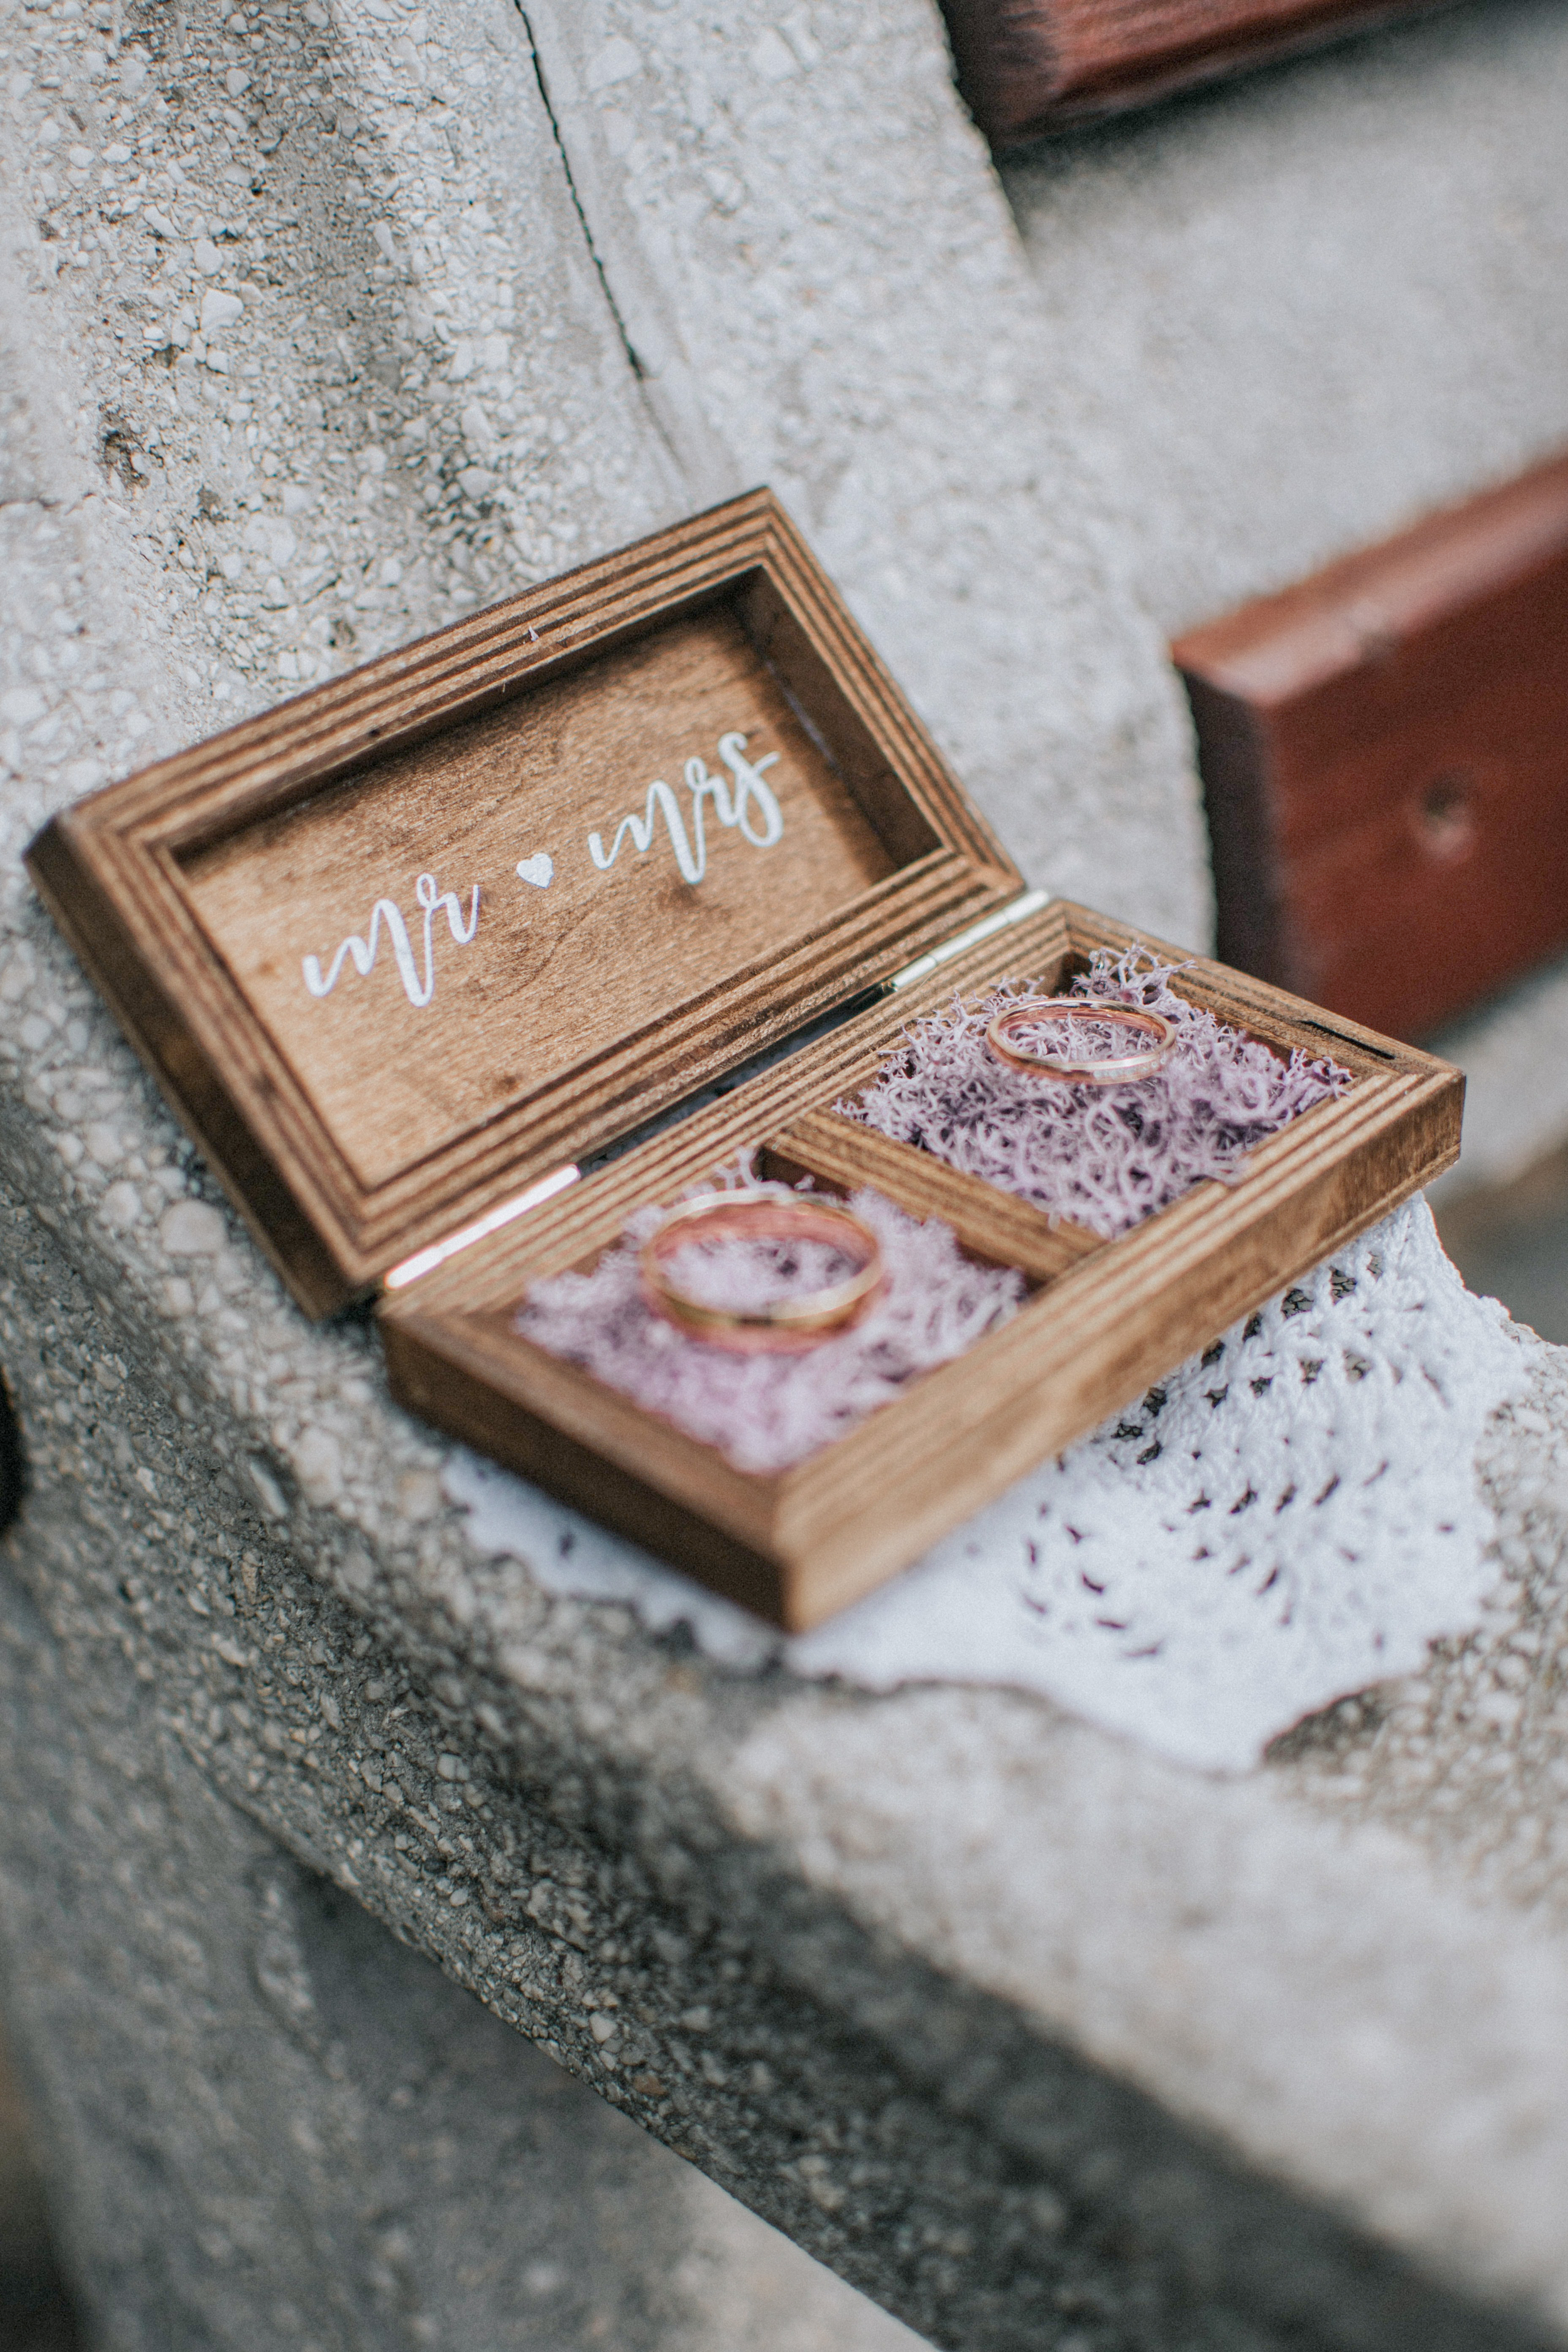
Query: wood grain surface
[[355, 1128], [1026, 67], [559, 971], [1106, 1319], [1385, 755]]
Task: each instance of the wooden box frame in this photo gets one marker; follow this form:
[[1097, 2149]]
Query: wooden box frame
[[458, 1236], [1108, 1318]]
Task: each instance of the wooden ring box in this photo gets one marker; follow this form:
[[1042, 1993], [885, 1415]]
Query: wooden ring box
[[419, 1125]]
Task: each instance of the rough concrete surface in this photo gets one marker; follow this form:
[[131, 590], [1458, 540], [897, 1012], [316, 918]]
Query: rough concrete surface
[[1038, 2040], [275, 2125]]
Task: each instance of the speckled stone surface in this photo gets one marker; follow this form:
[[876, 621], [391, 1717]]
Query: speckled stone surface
[[1032, 2037], [271, 2124]]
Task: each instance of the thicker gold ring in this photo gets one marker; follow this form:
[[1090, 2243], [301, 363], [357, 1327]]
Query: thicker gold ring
[[1157, 1033], [784, 1326]]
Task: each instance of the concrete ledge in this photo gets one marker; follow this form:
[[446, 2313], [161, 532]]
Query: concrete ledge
[[1032, 2037]]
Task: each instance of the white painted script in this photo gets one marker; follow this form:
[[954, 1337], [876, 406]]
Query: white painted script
[[753, 808], [385, 911]]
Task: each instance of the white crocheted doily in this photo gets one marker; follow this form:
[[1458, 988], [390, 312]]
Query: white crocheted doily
[[1288, 1518]]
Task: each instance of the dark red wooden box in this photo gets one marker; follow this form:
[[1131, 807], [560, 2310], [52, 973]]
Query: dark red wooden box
[[1385, 756], [1032, 66]]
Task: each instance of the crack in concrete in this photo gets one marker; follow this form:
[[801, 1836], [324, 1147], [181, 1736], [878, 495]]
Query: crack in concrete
[[633, 360]]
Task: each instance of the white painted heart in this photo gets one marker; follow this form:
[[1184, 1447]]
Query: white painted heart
[[539, 869]]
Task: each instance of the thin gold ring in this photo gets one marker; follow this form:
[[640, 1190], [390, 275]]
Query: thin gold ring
[[784, 1326], [1088, 1070]]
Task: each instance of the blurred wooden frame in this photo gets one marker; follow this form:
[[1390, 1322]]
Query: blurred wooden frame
[[1029, 67], [1385, 757]]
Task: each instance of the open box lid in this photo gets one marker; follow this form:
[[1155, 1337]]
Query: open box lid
[[401, 947]]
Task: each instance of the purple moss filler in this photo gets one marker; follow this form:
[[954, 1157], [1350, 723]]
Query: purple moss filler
[[764, 1412], [1107, 1157]]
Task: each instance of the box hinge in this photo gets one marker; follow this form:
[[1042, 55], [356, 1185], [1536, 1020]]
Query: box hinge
[[1014, 912], [425, 1261]]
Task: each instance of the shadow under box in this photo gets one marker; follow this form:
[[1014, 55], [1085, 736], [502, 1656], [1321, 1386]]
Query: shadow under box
[[400, 1097]]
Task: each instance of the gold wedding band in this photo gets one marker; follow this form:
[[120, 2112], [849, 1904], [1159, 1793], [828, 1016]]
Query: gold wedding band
[[784, 1326], [1157, 1033]]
